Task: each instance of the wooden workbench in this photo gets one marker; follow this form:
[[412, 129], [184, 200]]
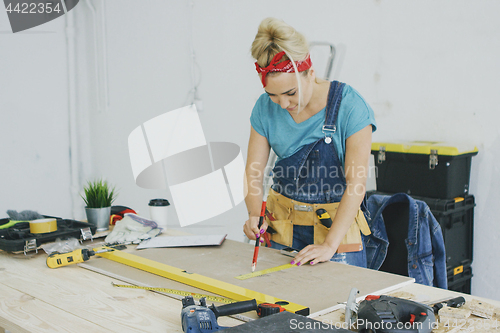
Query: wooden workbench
[[34, 298]]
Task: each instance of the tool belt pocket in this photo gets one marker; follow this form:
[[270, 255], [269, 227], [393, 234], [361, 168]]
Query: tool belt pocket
[[284, 231], [352, 241], [279, 219]]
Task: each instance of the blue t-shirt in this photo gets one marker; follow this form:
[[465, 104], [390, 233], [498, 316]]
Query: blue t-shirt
[[286, 137]]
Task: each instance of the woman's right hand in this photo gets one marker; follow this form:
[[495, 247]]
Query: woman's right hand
[[251, 227]]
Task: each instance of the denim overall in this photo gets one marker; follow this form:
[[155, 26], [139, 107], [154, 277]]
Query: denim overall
[[314, 174]]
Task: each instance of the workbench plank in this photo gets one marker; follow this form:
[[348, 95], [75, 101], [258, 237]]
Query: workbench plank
[[21, 312], [84, 297]]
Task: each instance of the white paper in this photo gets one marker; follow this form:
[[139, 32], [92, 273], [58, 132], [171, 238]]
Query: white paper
[[182, 241]]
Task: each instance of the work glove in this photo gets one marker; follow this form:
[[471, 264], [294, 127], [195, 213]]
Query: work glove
[[25, 215], [133, 229]]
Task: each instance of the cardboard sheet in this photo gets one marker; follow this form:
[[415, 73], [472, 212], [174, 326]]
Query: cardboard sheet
[[320, 287]]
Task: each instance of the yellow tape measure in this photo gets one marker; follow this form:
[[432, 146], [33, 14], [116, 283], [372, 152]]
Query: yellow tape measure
[[179, 292], [264, 271]]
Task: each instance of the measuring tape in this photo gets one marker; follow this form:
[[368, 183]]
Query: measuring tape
[[179, 292], [264, 271]]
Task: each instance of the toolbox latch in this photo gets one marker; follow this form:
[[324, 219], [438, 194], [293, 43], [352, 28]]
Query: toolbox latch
[[381, 155], [433, 159], [86, 234], [30, 245]]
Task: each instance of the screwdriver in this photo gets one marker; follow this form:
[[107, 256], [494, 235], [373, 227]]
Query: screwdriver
[[56, 259], [452, 303]]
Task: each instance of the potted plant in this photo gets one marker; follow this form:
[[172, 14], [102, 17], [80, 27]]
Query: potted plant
[[98, 197]]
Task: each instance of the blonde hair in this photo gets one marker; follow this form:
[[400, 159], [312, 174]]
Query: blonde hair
[[274, 36]]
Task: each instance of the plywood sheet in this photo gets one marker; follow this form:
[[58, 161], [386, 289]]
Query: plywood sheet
[[318, 287]]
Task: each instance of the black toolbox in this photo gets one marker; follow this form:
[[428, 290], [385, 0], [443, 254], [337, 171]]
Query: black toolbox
[[18, 238], [456, 217], [459, 278], [427, 169]]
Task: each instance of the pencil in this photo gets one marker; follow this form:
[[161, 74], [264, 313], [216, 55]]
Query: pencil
[[257, 240]]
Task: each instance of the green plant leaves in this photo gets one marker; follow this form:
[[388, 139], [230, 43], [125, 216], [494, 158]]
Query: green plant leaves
[[98, 194]]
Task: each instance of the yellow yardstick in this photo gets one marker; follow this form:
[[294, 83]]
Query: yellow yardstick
[[56, 259]]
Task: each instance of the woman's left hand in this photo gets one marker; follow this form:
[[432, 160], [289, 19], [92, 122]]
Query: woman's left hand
[[314, 254]]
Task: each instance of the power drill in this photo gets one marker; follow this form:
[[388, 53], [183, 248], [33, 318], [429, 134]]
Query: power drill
[[381, 314], [203, 319], [56, 259]]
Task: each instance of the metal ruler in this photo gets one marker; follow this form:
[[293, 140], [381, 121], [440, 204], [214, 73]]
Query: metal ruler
[[211, 285], [264, 271], [179, 292]]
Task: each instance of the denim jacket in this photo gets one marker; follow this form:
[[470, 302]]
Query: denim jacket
[[425, 243]]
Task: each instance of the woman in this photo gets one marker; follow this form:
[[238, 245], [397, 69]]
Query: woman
[[321, 133]]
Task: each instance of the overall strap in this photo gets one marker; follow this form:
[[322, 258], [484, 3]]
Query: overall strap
[[332, 108]]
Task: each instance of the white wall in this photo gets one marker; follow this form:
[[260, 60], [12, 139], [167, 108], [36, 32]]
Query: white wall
[[428, 68], [34, 162]]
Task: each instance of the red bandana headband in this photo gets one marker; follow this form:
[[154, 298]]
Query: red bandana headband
[[283, 67]]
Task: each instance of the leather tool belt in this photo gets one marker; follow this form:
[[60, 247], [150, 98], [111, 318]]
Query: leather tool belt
[[288, 212]]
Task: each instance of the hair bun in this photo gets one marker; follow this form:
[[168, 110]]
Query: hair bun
[[274, 36]]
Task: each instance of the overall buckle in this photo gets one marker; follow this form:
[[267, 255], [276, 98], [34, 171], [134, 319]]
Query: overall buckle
[[331, 129]]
